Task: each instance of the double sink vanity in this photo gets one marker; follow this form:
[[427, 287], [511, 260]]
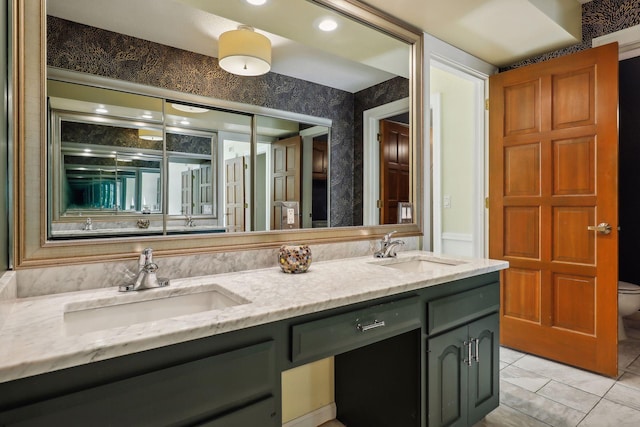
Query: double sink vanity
[[415, 340]]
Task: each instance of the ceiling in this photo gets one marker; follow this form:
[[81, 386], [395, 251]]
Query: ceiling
[[499, 32]]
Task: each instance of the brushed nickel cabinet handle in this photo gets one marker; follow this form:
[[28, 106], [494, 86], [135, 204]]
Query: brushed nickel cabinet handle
[[469, 357], [375, 324], [476, 357]]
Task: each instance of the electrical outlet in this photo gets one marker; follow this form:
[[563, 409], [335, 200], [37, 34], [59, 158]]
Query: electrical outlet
[[446, 201]]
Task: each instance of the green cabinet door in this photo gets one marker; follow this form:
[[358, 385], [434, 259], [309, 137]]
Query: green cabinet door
[[484, 371], [463, 373], [447, 381]]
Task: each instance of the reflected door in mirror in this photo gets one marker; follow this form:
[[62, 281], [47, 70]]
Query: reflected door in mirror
[[287, 159], [394, 169], [235, 201]]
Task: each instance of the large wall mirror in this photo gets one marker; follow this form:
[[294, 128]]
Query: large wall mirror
[[143, 140]]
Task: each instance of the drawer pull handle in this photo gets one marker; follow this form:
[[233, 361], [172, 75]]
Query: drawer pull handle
[[375, 324]]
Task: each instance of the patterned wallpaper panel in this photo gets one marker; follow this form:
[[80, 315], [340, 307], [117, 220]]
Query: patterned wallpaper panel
[[188, 144], [113, 136], [599, 17]]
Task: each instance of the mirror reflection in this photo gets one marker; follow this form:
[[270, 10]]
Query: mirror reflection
[[110, 169], [183, 146]]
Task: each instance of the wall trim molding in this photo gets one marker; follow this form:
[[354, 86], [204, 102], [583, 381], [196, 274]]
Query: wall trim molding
[[371, 156], [628, 42], [315, 418], [458, 237], [460, 244]]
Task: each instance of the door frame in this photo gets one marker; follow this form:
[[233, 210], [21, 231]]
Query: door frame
[[371, 156], [307, 173], [479, 225]]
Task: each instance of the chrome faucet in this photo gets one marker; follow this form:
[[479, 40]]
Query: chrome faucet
[[146, 278], [189, 221], [388, 246], [88, 225]]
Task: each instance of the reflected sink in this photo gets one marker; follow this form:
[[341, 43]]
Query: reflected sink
[[420, 264], [146, 306]]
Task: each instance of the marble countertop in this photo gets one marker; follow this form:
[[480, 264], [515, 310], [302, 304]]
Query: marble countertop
[[35, 337]]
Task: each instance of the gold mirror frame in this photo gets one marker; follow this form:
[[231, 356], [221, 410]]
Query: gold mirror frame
[[29, 139]]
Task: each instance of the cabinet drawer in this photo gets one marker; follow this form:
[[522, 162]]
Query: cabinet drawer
[[449, 312], [344, 332], [176, 395], [261, 414]]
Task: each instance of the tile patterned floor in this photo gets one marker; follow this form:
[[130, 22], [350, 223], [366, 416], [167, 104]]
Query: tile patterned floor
[[537, 392]]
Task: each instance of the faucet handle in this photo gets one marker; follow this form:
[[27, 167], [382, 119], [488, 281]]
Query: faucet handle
[[387, 237], [147, 253]]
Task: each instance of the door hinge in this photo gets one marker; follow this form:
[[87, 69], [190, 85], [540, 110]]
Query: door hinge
[[379, 204], [379, 137], [486, 104], [246, 205], [246, 166], [486, 202]]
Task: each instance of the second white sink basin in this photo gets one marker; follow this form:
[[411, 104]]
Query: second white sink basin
[[420, 264], [127, 309]]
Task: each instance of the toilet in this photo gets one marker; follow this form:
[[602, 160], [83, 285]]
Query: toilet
[[628, 303]]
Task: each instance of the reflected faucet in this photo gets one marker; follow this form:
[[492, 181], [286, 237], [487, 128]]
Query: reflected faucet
[[88, 225], [146, 278], [388, 247]]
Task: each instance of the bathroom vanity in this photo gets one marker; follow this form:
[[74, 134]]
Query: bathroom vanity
[[415, 341]]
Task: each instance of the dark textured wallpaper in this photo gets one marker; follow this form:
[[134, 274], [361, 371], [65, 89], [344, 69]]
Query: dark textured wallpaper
[[599, 17]]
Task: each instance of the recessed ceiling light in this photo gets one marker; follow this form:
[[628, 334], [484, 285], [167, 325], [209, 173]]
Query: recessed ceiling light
[[328, 24], [257, 2]]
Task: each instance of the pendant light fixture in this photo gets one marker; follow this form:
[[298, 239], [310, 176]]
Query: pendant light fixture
[[244, 52]]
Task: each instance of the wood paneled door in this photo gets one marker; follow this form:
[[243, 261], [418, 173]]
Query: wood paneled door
[[553, 160], [394, 169], [234, 195], [286, 156]]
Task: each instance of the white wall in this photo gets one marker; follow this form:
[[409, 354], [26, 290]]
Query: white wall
[[457, 149], [437, 51]]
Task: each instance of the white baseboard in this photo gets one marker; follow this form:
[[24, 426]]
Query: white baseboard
[[315, 418]]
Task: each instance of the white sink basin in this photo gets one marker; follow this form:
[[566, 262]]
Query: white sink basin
[[420, 264], [146, 306]]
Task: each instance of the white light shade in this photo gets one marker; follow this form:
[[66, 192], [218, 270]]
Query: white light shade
[[150, 134], [244, 52]]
